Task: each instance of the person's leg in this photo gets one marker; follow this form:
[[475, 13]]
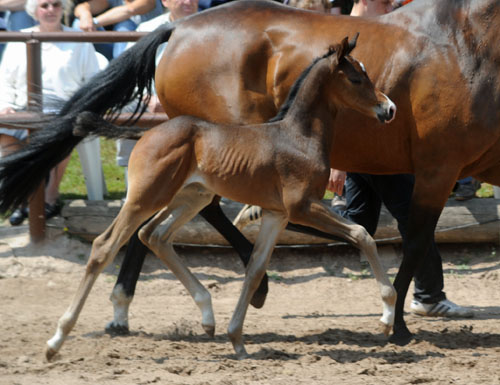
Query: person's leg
[[105, 49], [17, 20], [56, 175], [362, 203], [9, 144], [122, 26]]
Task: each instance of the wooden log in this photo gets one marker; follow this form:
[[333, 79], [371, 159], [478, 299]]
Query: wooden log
[[473, 221]]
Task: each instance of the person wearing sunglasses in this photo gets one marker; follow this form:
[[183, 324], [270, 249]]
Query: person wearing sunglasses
[[66, 66]]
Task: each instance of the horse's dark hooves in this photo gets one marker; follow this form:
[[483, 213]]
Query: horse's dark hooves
[[402, 336], [259, 297], [114, 329]]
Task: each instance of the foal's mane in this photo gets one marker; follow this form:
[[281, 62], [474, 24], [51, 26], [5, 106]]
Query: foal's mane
[[292, 94]]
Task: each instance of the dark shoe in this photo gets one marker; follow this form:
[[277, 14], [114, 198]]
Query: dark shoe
[[52, 210], [18, 216], [466, 191]]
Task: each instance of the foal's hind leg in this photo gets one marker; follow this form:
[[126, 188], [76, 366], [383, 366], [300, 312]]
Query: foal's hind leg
[[104, 249], [158, 235], [315, 214]]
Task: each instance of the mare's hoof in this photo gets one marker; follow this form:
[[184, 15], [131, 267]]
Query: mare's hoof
[[210, 330], [50, 353], [402, 336], [115, 329], [259, 297]]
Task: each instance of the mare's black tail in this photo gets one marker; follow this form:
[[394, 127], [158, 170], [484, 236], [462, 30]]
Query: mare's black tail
[[128, 78]]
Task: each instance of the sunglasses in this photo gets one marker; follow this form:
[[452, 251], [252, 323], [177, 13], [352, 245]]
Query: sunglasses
[[54, 5]]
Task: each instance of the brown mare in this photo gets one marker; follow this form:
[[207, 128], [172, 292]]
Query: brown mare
[[438, 61], [283, 166]]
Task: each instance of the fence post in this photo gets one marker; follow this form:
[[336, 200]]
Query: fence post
[[34, 82]]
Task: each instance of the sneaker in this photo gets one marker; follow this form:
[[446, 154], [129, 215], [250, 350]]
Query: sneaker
[[18, 216], [466, 191], [247, 215], [443, 308], [339, 202], [52, 210]]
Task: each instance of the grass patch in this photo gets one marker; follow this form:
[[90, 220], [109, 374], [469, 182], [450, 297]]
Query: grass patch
[[73, 183]]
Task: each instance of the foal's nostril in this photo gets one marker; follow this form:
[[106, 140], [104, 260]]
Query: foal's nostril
[[390, 115]]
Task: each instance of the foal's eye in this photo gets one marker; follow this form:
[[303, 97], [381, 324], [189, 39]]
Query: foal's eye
[[355, 81]]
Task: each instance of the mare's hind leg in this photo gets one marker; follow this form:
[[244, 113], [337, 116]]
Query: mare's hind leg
[[316, 214], [271, 226], [123, 292], [158, 235], [104, 249], [214, 215], [124, 289]]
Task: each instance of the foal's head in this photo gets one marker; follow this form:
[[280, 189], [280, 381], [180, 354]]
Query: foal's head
[[350, 86]]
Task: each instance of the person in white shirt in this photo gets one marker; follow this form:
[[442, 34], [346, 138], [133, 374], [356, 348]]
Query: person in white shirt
[[66, 66], [177, 9]]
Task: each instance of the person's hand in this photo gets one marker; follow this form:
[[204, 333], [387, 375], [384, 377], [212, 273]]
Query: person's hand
[[336, 181], [154, 105], [7, 111], [87, 23]]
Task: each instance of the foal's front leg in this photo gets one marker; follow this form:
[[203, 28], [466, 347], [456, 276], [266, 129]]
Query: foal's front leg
[[272, 224], [315, 213]]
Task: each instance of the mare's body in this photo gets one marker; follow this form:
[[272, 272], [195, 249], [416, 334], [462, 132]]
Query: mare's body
[[283, 166], [438, 61]]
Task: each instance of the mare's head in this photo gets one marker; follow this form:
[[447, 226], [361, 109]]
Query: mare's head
[[350, 86]]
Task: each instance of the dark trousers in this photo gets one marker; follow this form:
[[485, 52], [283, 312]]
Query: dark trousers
[[364, 197]]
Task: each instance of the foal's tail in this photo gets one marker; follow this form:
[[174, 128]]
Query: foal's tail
[[88, 123], [128, 78]]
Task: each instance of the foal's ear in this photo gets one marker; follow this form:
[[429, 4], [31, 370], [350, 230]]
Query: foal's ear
[[352, 43], [343, 49]]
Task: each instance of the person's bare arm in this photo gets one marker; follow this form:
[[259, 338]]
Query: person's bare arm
[[12, 5], [85, 11], [336, 181], [125, 11]]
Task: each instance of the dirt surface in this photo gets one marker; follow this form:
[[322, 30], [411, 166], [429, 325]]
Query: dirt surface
[[319, 324]]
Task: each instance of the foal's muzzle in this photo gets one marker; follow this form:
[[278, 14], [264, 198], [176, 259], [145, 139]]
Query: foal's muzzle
[[386, 111]]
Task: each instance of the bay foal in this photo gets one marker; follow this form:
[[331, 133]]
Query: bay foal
[[283, 166]]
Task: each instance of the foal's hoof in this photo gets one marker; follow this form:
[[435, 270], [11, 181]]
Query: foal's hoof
[[259, 297], [50, 353], [402, 336], [116, 329], [210, 330], [386, 329]]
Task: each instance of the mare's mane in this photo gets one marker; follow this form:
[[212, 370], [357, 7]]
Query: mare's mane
[[292, 94]]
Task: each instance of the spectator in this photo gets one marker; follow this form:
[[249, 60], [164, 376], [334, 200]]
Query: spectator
[[466, 188], [177, 9], [117, 15], [13, 17], [364, 197], [66, 67], [312, 5]]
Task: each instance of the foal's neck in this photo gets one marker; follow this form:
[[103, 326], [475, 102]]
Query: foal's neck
[[311, 113]]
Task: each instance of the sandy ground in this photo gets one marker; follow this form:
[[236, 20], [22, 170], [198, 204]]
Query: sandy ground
[[319, 325]]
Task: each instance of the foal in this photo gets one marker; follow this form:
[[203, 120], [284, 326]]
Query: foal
[[282, 166]]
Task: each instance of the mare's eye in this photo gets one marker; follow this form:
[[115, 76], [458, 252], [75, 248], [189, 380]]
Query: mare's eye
[[355, 81]]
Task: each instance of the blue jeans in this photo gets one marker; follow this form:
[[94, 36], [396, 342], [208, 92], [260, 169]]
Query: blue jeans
[[364, 197], [111, 50], [15, 21]]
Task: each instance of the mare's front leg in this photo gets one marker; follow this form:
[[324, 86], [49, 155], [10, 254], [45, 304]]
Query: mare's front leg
[[159, 233], [272, 224], [429, 197], [214, 215], [316, 214], [124, 289], [104, 249]]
